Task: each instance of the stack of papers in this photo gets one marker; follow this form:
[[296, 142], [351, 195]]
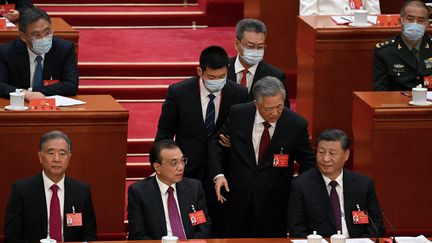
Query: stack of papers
[[65, 101], [418, 239], [346, 19]]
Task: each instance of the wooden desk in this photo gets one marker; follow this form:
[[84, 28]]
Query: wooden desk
[[392, 145], [98, 131], [333, 61], [60, 27]]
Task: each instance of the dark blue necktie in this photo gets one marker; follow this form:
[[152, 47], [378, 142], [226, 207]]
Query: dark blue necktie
[[210, 115], [37, 76]]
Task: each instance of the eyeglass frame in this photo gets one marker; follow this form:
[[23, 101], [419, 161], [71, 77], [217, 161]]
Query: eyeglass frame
[[183, 161]]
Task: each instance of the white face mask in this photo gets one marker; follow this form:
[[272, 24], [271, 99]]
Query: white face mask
[[252, 56], [43, 45], [214, 85]]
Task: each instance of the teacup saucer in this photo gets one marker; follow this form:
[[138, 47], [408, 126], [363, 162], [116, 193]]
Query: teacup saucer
[[16, 108], [426, 103], [359, 25]]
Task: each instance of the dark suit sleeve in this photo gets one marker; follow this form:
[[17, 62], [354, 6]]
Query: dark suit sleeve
[[374, 212], [5, 88], [381, 81], [14, 218], [296, 212], [167, 125], [216, 151], [204, 230], [284, 81], [89, 220], [68, 85], [137, 227], [304, 153]]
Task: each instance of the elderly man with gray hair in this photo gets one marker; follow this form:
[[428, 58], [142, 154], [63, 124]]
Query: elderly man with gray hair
[[254, 181]]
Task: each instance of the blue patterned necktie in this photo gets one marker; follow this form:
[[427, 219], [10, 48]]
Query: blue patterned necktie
[[37, 76]]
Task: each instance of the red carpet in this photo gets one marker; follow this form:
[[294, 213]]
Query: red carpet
[[143, 118], [129, 81], [111, 1], [152, 45]]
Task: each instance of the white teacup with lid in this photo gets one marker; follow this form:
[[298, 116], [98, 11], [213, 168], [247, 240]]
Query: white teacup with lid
[[48, 240], [16, 100], [314, 238], [419, 94], [169, 239], [338, 238]]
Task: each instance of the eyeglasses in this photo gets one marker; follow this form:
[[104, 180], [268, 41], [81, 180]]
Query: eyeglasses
[[36, 36], [175, 163], [252, 46]]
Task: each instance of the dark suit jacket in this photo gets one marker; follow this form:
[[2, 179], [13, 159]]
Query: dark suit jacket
[[20, 5], [269, 187], [264, 69], [310, 207], [182, 117], [395, 68], [146, 214], [26, 212], [59, 64]]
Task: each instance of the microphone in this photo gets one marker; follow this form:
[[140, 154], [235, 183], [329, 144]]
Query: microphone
[[374, 226], [391, 226]]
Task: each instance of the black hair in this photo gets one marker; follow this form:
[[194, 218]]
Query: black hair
[[335, 135], [214, 57], [31, 15]]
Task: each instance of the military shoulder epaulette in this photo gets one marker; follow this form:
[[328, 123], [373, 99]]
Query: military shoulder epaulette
[[385, 43]]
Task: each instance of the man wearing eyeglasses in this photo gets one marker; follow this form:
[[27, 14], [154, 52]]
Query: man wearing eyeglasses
[[167, 203], [248, 66], [37, 63]]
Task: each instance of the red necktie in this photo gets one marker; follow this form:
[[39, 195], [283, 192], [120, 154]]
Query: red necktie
[[243, 81], [55, 223], [265, 140], [174, 217]]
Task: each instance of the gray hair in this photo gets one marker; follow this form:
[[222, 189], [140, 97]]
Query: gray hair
[[268, 86], [415, 3], [54, 135], [335, 135], [249, 25]]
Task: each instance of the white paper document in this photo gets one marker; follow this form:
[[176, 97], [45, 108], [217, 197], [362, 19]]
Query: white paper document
[[8, 23], [359, 240], [305, 241], [429, 95], [65, 101], [346, 19], [418, 239]]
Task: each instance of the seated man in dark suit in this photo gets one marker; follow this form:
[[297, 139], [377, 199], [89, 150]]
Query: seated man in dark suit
[[167, 203], [35, 203], [38, 63], [20, 5], [248, 66], [266, 137], [405, 60], [330, 199]]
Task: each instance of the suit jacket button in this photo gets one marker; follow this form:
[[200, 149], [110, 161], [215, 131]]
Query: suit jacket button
[[418, 77]]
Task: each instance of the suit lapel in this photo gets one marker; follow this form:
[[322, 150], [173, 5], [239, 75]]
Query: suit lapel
[[155, 194], [23, 64], [348, 188], [49, 63], [196, 104], [185, 209], [40, 201], [231, 70], [405, 54], [249, 123], [67, 206], [225, 104], [322, 192]]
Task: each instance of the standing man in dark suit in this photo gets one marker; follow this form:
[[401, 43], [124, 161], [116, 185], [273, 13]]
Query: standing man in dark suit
[[38, 63], [154, 203], [193, 110], [50, 202], [20, 5], [248, 66], [405, 61], [266, 137], [330, 199]]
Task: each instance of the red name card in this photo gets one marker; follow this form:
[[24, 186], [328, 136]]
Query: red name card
[[4, 8], [47, 104], [2, 24]]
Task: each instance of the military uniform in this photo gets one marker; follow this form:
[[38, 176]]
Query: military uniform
[[396, 67]]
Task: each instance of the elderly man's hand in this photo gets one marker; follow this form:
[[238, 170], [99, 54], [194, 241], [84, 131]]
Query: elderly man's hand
[[224, 140], [33, 95], [12, 15]]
